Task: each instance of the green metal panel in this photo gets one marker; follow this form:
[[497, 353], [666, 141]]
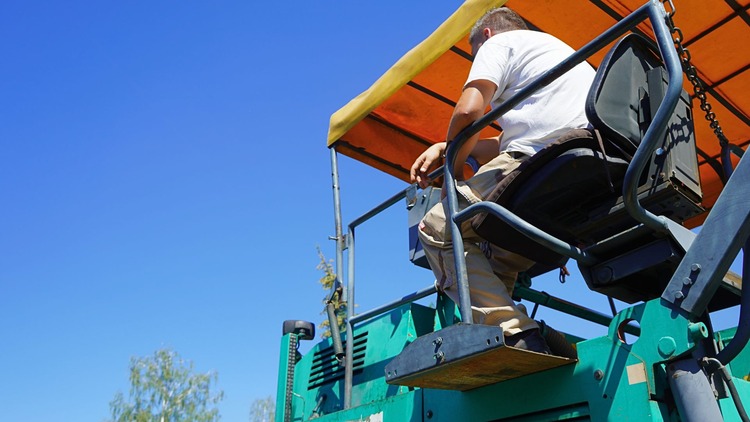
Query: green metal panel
[[728, 408], [401, 407], [319, 380], [388, 335]]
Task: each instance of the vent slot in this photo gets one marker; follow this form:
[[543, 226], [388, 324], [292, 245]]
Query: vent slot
[[575, 412], [325, 368]]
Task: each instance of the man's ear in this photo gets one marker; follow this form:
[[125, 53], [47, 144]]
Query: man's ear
[[487, 32]]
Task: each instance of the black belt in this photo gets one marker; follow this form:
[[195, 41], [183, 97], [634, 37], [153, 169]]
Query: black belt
[[516, 154]]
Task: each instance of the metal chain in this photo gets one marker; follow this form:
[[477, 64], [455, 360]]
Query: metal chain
[[692, 74]]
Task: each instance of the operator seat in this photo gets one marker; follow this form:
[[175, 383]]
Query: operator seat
[[572, 189]]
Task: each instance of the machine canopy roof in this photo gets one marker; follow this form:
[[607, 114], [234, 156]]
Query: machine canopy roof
[[409, 107]]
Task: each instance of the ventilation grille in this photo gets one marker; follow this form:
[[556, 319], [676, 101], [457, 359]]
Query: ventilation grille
[[325, 368], [579, 412]]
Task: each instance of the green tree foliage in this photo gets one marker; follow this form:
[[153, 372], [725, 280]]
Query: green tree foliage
[[329, 277], [263, 410], [163, 388]]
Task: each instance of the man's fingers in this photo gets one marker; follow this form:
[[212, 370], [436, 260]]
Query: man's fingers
[[426, 165], [419, 170], [414, 169]]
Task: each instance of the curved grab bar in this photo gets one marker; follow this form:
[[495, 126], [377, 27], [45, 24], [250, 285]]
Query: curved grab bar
[[657, 128], [529, 230]]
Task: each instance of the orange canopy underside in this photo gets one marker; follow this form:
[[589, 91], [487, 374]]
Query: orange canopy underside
[[389, 133]]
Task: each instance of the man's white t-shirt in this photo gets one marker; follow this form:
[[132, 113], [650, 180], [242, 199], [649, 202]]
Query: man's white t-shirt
[[514, 59]]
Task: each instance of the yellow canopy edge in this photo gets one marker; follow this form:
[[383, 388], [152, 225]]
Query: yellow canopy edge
[[410, 65]]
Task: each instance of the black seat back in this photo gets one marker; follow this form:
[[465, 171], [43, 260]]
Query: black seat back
[[618, 101]]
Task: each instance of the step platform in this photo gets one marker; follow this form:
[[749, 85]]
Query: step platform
[[463, 357]]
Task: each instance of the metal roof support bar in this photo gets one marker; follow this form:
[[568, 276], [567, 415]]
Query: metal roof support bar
[[336, 287]]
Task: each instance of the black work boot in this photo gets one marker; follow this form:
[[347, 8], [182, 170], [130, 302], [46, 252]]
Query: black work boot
[[528, 340]]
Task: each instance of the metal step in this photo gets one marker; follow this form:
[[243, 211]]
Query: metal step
[[463, 357]]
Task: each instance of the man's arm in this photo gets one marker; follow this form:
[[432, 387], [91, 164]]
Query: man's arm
[[486, 149], [474, 100]]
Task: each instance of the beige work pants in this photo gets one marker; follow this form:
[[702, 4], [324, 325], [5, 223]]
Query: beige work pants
[[492, 271]]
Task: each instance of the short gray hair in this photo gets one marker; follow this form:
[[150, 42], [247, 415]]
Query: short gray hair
[[500, 19]]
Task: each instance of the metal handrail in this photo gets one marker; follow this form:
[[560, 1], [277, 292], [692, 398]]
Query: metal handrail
[[411, 297], [349, 244], [349, 353], [527, 229]]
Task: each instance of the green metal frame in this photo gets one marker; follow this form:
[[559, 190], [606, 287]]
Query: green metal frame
[[613, 380]]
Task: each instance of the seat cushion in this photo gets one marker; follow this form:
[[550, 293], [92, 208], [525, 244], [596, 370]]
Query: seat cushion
[[554, 190]]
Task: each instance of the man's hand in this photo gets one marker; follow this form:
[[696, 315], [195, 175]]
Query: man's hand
[[426, 163]]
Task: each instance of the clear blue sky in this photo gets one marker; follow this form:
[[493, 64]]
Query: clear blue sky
[[165, 182]]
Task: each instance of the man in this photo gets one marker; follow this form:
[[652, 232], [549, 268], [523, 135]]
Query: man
[[507, 57]]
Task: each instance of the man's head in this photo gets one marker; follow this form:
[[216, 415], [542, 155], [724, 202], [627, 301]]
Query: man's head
[[494, 22]]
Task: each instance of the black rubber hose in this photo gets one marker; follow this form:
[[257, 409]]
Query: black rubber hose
[[558, 344], [741, 336], [730, 385], [333, 322]]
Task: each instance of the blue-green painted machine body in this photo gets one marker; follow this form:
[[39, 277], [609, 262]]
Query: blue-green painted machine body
[[612, 380]]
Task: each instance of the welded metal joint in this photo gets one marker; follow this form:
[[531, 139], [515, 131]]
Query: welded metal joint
[[698, 331]]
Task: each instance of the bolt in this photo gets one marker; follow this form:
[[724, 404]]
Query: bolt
[[696, 268], [687, 281], [604, 275], [438, 341], [659, 151], [666, 346], [439, 356], [598, 375], [429, 414], [679, 295]]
